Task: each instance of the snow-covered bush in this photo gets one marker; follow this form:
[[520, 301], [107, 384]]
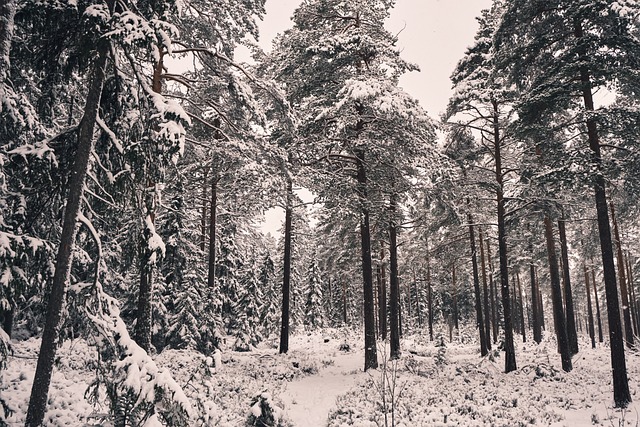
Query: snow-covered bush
[[139, 393], [265, 413]]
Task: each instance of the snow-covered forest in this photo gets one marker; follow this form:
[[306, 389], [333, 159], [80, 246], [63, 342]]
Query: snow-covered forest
[[477, 268]]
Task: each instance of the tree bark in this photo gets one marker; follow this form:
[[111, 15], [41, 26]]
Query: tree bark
[[556, 297], [523, 330], [487, 320], [213, 213], [597, 302], [7, 18], [203, 221], [568, 295], [454, 290], [382, 296], [493, 296], [621, 394], [535, 305], [370, 354], [51, 332], [286, 279], [510, 353], [394, 295], [476, 288], [592, 333], [626, 314], [429, 294]]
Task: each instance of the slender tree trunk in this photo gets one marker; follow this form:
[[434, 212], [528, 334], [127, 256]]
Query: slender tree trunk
[[382, 296], [535, 305], [7, 18], [7, 319], [394, 295], [568, 295], [454, 290], [487, 320], [51, 332], [144, 318], [345, 316], [597, 302], [203, 221], [493, 295], [522, 318], [476, 287], [510, 353], [370, 355], [541, 309], [213, 213], [628, 327], [592, 333], [286, 279], [429, 294], [556, 296], [621, 394], [632, 293]]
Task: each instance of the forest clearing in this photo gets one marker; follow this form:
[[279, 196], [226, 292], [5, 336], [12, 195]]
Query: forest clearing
[[198, 228]]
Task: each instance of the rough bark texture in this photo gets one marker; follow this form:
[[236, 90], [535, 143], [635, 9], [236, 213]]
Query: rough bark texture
[[493, 295], [592, 333], [487, 318], [556, 298], [621, 394], [429, 295], [523, 329], [535, 305], [454, 290], [213, 212], [510, 353], [597, 303], [394, 294], [568, 295], [622, 277], [476, 288], [50, 335], [370, 351], [286, 279], [382, 297]]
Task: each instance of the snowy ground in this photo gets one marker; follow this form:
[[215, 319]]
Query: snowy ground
[[317, 384]]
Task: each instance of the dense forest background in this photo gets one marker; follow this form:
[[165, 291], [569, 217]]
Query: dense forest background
[[131, 194]]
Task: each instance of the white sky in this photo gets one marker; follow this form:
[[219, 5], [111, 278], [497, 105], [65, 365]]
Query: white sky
[[435, 36]]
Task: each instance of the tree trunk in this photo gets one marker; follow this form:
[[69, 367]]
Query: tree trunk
[[493, 296], [597, 302], [568, 295], [476, 288], [535, 305], [394, 295], [621, 394], [454, 289], [370, 353], [286, 278], [632, 293], [51, 332], [510, 353], [628, 327], [144, 317], [487, 319], [522, 318], [203, 221], [7, 319], [592, 333], [556, 298], [382, 296], [429, 295], [213, 213]]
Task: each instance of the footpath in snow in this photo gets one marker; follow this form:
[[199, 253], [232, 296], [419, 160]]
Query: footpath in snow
[[309, 400]]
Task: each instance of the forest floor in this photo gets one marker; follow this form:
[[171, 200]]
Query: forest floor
[[318, 383]]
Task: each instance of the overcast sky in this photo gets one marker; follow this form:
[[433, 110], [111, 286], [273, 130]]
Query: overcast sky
[[435, 36]]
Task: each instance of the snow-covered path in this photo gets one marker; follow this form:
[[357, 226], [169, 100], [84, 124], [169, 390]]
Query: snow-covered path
[[308, 400]]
